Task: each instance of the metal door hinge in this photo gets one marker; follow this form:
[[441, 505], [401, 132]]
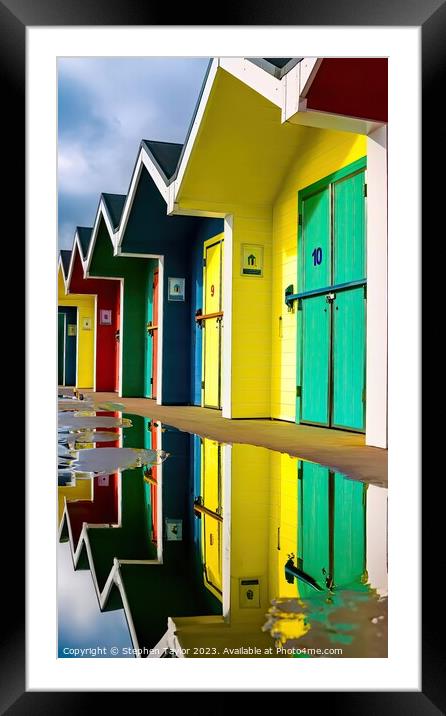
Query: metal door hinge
[[365, 189], [202, 384], [151, 381], [298, 391], [204, 262], [300, 219], [300, 471], [363, 395]]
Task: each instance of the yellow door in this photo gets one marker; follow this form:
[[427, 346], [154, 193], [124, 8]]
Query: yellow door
[[211, 519], [211, 322]]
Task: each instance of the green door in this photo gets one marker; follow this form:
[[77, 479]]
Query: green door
[[349, 229], [315, 360], [314, 524], [316, 241], [61, 348], [349, 531], [332, 325], [349, 340]]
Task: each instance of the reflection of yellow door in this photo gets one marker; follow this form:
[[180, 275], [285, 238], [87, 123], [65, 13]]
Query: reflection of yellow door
[[211, 524], [211, 323]]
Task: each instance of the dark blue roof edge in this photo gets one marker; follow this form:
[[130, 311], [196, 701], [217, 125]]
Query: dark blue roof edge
[[107, 208], [83, 228], [272, 69], [144, 145], [65, 257]]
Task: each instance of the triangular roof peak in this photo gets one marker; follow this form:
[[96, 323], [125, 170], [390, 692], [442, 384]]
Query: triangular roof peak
[[276, 66], [165, 154], [65, 256], [114, 204], [84, 234], [110, 209]]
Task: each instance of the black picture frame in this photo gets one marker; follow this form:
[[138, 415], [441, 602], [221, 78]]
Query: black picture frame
[[15, 16]]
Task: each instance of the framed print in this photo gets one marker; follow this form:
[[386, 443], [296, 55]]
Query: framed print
[[176, 289], [251, 260], [105, 317], [268, 435]]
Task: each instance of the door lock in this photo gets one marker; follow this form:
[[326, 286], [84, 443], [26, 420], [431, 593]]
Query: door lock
[[330, 297]]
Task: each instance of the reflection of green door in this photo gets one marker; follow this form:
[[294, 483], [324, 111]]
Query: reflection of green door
[[315, 360], [332, 315], [313, 524], [61, 348], [331, 528], [349, 530]]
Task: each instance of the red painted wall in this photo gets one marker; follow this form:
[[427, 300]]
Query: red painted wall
[[154, 488], [102, 510], [355, 87], [108, 293]]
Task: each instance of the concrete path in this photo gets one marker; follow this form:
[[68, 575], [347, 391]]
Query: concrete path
[[342, 451]]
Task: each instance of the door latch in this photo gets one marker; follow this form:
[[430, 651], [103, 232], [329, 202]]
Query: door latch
[[330, 297]]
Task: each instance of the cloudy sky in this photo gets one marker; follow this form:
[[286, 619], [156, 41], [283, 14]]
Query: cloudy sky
[[105, 107], [81, 624]]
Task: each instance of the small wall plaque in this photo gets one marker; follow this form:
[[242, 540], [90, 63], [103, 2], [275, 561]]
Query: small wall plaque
[[174, 530], [87, 324], [252, 260], [175, 289], [105, 317]]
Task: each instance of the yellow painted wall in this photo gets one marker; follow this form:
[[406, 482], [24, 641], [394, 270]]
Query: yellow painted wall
[[85, 344], [250, 509], [251, 311], [283, 522], [264, 516], [323, 152], [251, 307]]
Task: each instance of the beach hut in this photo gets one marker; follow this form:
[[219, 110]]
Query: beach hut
[[76, 332], [106, 295], [178, 309], [291, 155]]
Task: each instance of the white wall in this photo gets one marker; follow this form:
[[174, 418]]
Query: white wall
[[376, 369]]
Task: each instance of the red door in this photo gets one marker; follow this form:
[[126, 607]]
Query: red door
[[155, 335], [117, 336], [154, 488]]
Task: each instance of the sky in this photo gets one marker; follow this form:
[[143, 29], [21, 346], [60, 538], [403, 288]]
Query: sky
[[81, 624], [105, 107]]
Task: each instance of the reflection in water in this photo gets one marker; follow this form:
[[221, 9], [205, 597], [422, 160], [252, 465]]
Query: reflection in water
[[75, 421], [106, 460], [229, 550]]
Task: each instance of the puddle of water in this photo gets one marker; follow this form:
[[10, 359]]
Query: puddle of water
[[107, 460], [73, 404], [74, 421], [295, 552]]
